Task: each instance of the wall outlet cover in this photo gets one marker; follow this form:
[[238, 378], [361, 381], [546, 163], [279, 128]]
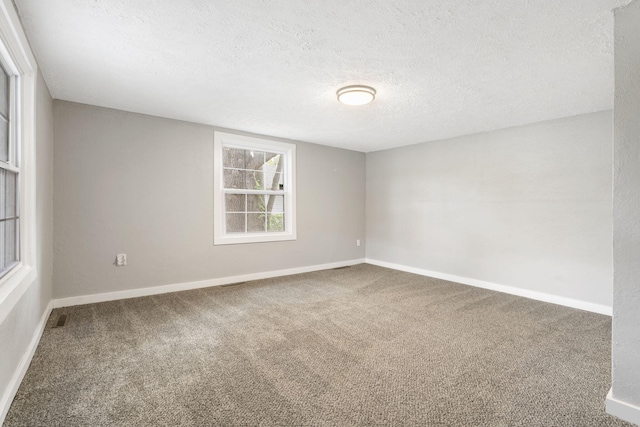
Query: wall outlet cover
[[121, 260]]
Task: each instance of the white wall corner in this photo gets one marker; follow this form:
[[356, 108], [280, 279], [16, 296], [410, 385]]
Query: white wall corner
[[539, 296], [623, 410], [10, 392]]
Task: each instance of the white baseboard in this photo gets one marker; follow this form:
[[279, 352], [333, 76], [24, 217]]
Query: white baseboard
[[624, 411], [141, 292], [14, 384], [540, 296]]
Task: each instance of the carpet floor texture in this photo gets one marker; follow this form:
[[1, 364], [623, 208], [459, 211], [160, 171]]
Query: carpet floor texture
[[360, 346]]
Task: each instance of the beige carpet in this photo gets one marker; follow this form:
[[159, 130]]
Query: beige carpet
[[353, 347]]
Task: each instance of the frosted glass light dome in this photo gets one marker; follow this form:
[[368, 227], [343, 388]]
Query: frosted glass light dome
[[356, 95]]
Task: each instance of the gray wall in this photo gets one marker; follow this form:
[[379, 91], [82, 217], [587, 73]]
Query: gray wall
[[18, 328], [626, 209], [142, 185], [528, 207]]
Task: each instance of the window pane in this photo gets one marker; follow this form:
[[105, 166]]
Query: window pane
[[256, 223], [3, 265], [3, 193], [271, 168], [235, 222], [275, 204], [254, 159], [9, 253], [233, 158], [235, 202], [8, 194], [275, 222], [4, 93], [10, 242], [255, 180], [272, 160], [234, 178], [272, 180], [4, 139], [256, 203], [8, 247]]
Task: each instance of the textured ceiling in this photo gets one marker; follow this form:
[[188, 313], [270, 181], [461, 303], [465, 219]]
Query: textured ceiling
[[441, 68]]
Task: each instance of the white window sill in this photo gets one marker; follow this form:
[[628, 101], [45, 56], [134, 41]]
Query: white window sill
[[231, 239], [13, 286]]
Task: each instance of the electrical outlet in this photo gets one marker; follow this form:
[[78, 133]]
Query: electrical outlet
[[358, 242], [121, 260]]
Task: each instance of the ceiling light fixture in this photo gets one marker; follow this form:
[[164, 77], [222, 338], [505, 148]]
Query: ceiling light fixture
[[356, 95]]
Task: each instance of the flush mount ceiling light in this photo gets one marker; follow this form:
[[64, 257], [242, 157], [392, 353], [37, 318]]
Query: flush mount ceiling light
[[356, 95]]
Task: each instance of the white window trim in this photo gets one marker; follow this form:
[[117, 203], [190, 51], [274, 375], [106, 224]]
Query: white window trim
[[221, 139], [21, 62]]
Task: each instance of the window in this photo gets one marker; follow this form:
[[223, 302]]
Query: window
[[254, 190], [18, 75], [9, 177]]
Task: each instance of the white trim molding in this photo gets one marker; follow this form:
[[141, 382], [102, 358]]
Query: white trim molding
[[539, 296], [156, 290], [21, 370], [623, 410]]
